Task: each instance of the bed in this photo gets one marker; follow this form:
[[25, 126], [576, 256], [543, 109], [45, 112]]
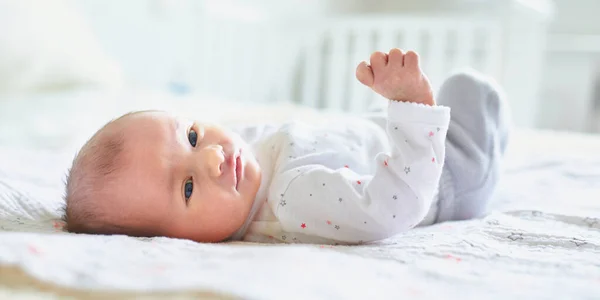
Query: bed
[[540, 240]]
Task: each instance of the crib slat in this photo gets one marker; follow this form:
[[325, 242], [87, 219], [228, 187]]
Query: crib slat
[[464, 46], [336, 68], [227, 53], [264, 68], [246, 53], [357, 98], [411, 40], [386, 39], [492, 52], [437, 57], [312, 75], [284, 66], [208, 36], [215, 71]]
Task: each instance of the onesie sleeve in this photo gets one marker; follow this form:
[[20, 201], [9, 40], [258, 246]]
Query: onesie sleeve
[[347, 207]]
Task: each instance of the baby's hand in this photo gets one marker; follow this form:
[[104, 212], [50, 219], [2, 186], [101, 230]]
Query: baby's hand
[[396, 76]]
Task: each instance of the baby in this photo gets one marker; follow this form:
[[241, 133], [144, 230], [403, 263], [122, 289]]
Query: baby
[[153, 174]]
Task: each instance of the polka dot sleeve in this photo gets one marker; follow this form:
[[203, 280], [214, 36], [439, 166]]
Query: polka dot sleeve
[[344, 206]]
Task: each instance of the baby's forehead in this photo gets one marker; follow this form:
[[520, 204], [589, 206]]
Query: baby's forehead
[[158, 118], [150, 140]]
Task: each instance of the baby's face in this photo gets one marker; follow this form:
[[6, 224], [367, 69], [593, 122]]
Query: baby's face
[[184, 179]]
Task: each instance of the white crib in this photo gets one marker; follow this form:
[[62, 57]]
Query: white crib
[[330, 52], [311, 60]]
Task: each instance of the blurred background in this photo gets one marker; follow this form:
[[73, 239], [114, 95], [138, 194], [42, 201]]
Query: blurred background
[[545, 54]]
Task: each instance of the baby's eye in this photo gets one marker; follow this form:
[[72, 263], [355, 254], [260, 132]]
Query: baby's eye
[[187, 189], [193, 137]]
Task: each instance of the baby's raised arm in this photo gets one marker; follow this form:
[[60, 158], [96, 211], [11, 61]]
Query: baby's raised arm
[[356, 207]]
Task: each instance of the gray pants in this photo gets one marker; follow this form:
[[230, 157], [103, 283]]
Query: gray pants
[[475, 144]]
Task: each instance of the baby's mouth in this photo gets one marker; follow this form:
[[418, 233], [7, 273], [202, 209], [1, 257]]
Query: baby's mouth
[[238, 169]]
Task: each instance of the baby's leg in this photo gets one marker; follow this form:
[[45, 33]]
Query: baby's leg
[[476, 141]]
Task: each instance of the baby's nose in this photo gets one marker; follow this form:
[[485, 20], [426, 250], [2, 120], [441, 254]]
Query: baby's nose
[[215, 157]]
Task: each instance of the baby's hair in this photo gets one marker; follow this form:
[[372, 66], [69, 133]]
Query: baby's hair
[[89, 179]]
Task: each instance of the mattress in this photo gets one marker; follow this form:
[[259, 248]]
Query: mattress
[[540, 240]]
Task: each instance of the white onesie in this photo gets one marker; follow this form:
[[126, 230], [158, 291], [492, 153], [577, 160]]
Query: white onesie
[[349, 182]]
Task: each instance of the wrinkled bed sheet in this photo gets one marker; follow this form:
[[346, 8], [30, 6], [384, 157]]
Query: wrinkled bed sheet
[[541, 240]]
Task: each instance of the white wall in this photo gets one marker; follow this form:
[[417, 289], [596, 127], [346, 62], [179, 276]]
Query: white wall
[[572, 67]]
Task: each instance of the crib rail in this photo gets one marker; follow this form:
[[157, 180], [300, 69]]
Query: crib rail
[[329, 52], [313, 63]]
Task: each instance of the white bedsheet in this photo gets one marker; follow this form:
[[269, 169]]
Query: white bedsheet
[[542, 241]]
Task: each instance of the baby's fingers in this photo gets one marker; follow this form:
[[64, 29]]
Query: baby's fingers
[[364, 74]]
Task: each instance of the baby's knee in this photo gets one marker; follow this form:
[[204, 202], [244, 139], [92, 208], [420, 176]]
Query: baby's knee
[[474, 89], [468, 79]]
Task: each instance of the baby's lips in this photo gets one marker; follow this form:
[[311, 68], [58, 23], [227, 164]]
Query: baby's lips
[[229, 168]]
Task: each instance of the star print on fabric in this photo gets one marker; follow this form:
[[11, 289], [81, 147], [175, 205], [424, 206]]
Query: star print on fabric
[[433, 159], [451, 257], [396, 128], [283, 237], [515, 236], [438, 129], [346, 166], [406, 170], [337, 227], [292, 144], [395, 197], [34, 250], [271, 237], [323, 184], [430, 133], [303, 225], [578, 242], [310, 195], [282, 202], [340, 200], [385, 163], [358, 181], [365, 222], [328, 222], [394, 216]]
